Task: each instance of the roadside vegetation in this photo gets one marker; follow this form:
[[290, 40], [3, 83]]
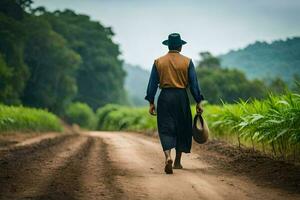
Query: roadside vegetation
[[115, 117], [271, 126], [80, 114], [14, 119]]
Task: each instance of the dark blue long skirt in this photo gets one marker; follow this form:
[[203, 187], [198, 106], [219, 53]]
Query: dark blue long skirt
[[174, 120]]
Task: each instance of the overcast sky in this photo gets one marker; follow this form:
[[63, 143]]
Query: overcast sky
[[212, 25]]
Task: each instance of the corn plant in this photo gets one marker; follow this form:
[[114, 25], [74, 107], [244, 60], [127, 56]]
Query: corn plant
[[274, 122]]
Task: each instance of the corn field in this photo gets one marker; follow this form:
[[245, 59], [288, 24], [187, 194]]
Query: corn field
[[271, 125]]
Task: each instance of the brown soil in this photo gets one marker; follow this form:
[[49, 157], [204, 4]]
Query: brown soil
[[115, 165], [262, 169], [13, 139]]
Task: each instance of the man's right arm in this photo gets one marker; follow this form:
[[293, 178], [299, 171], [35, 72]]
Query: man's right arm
[[152, 88]]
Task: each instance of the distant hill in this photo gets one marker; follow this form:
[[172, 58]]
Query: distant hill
[[263, 60], [136, 83]]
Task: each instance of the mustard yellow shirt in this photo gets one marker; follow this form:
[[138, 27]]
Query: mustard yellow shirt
[[172, 70]]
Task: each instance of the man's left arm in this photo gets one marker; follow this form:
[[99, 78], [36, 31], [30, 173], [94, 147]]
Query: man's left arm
[[194, 87]]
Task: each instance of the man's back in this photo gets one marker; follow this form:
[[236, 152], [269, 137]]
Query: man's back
[[172, 69]]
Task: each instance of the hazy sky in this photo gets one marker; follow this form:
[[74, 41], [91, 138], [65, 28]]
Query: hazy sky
[[211, 25]]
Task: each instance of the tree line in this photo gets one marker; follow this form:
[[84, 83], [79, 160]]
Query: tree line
[[50, 59], [267, 60], [231, 85]]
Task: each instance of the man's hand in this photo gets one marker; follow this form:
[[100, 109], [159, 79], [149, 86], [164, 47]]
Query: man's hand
[[199, 108], [152, 109]]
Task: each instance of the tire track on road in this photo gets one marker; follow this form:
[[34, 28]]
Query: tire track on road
[[76, 167], [65, 182], [99, 175], [25, 175]]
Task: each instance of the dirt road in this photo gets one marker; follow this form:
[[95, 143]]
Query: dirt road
[[115, 165]]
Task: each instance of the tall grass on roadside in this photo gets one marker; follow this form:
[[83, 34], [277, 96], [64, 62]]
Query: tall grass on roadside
[[81, 114], [13, 119], [114, 117], [272, 125]]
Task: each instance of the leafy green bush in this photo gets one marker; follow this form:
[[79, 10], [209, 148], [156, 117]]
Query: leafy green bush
[[81, 114], [114, 117], [24, 119]]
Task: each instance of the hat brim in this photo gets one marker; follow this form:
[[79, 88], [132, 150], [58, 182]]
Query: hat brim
[[166, 42]]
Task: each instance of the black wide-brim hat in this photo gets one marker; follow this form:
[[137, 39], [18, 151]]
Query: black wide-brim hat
[[174, 40]]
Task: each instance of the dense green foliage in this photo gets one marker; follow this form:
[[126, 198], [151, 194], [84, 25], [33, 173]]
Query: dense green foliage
[[263, 60], [100, 76], [272, 125], [13, 69], [13, 119], [224, 84], [115, 117], [81, 114], [52, 67], [5, 76], [136, 84], [49, 59]]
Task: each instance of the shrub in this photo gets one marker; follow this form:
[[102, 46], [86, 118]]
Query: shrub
[[114, 117], [13, 118], [81, 114]]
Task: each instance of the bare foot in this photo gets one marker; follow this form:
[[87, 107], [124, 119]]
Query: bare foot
[[168, 167]]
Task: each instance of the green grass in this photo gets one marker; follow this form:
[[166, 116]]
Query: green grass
[[114, 117], [271, 125], [22, 119], [81, 114]]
